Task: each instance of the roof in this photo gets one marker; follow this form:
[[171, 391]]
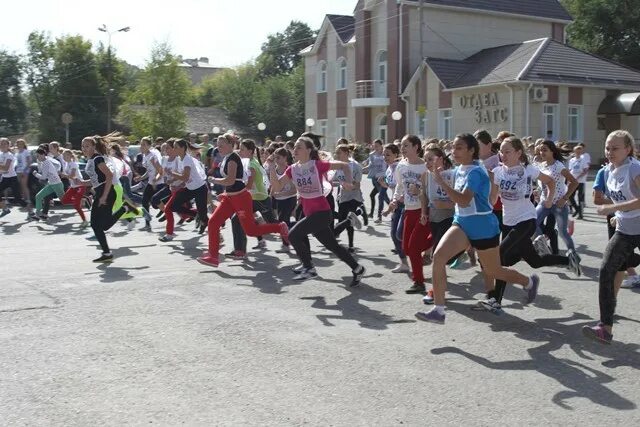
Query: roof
[[627, 103], [547, 9], [344, 25], [537, 61]]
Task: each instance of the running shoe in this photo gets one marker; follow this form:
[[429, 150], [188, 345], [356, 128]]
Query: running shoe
[[378, 220], [631, 282], [299, 269], [84, 224], [162, 218], [532, 292], [541, 246], [147, 227], [262, 244], [432, 316], [417, 288], [202, 228], [91, 238], [354, 220], [358, 274], [131, 224], [490, 305], [457, 263], [428, 298], [574, 263], [307, 273], [128, 207], [401, 268], [284, 249], [159, 214], [284, 232], [363, 213], [181, 221], [597, 333], [43, 217], [34, 216], [167, 237], [209, 261], [5, 212], [104, 258], [351, 250], [237, 255]]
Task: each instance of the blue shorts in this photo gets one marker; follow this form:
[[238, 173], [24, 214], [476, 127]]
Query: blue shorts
[[478, 227]]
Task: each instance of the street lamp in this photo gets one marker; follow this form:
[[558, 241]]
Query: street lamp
[[104, 29], [396, 116], [310, 123], [216, 130], [289, 133]]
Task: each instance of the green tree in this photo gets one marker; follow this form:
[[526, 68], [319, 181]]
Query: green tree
[[163, 89], [608, 28], [280, 51], [12, 103]]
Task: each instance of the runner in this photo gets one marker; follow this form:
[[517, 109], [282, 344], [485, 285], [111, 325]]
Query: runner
[[151, 162], [8, 176], [284, 200], [579, 169], [23, 169], [474, 224], [307, 175], [392, 159], [349, 200], [375, 167], [49, 171], [74, 194]]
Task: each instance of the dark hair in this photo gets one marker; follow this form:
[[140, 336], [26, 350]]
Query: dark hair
[[378, 141], [250, 144], [180, 143], [504, 135], [415, 141], [517, 145], [435, 149], [41, 151], [342, 141], [471, 142], [393, 148], [118, 151], [558, 154], [283, 152], [346, 148], [314, 138], [170, 142], [310, 145], [44, 147], [483, 136]]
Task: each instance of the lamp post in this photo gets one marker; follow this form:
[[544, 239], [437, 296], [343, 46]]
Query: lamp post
[[289, 133], [310, 123], [104, 29], [396, 116]]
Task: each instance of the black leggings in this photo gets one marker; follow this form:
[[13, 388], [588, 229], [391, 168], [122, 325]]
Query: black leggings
[[549, 230], [616, 254], [516, 245], [372, 197], [147, 195], [578, 206], [14, 185], [103, 217], [181, 205], [239, 237], [317, 224], [343, 223], [162, 194], [284, 208]]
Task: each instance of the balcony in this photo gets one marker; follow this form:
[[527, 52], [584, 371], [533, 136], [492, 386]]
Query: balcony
[[370, 93]]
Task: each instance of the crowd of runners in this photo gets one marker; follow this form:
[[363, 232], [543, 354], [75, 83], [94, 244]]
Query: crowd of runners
[[490, 201]]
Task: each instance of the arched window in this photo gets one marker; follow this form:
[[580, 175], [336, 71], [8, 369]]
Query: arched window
[[381, 130], [322, 77], [381, 74], [342, 74]]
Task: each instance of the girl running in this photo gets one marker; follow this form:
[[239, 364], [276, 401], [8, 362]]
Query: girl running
[[392, 159], [151, 161], [171, 164], [623, 185], [74, 194], [24, 159], [474, 224], [284, 200], [375, 167], [49, 171], [235, 200], [579, 168], [8, 176], [349, 201], [307, 175]]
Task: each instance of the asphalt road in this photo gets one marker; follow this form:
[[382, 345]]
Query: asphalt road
[[158, 338]]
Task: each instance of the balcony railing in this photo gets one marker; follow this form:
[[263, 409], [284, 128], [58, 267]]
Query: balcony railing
[[371, 89]]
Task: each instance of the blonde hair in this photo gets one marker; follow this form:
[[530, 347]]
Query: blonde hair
[[626, 137]]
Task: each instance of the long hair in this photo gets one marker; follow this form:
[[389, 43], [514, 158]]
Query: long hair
[[414, 140], [517, 145], [472, 144], [310, 145], [250, 145], [435, 149], [283, 152], [558, 154]]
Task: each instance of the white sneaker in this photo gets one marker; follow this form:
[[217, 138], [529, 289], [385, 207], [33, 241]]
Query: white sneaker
[[84, 224], [284, 249], [305, 274], [131, 225], [631, 282], [401, 268], [541, 246], [354, 220]]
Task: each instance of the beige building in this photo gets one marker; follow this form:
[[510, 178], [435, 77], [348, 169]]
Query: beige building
[[452, 66]]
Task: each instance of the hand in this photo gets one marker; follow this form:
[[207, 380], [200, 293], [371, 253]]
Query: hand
[[604, 210], [437, 175], [381, 180], [348, 186], [102, 201], [136, 178], [613, 221], [560, 203], [548, 204], [424, 218], [392, 207]]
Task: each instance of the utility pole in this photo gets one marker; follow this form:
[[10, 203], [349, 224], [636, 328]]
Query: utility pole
[[104, 29]]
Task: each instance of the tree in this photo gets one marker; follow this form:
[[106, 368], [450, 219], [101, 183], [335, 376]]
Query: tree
[[280, 51], [163, 89], [12, 103], [607, 28]]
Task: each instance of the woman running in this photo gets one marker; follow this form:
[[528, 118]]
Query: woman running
[[151, 161], [235, 200], [101, 180], [74, 194], [552, 165], [8, 175], [375, 167], [579, 168], [416, 236], [49, 171], [349, 201], [474, 224], [307, 175], [623, 185], [171, 164], [23, 169], [392, 159], [284, 200]]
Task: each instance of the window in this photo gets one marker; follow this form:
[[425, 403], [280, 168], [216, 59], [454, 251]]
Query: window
[[575, 123], [322, 127], [322, 77], [550, 121], [342, 128], [342, 74], [382, 128], [421, 124], [381, 75], [445, 123]]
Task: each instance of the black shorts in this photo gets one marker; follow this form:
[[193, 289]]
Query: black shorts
[[484, 244]]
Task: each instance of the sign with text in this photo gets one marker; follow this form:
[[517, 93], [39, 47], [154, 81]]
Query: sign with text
[[487, 106]]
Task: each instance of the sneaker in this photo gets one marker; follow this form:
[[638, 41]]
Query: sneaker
[[299, 269], [417, 288], [128, 207], [351, 250], [43, 217], [5, 212], [431, 316], [354, 220], [574, 263], [208, 260], [105, 258], [284, 249], [401, 268], [237, 255], [284, 232], [131, 225], [457, 263], [202, 228], [147, 227], [84, 224], [532, 292], [378, 220], [428, 298], [358, 273], [365, 217], [146, 215], [262, 244], [490, 305], [631, 282], [159, 214], [91, 238], [162, 218], [541, 246], [306, 273], [597, 333], [167, 237], [181, 221], [34, 216]]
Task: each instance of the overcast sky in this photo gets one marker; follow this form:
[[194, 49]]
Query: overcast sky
[[227, 32]]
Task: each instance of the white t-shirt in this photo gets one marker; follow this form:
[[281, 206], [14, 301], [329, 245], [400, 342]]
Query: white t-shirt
[[197, 175], [152, 172], [49, 170], [170, 166], [24, 161], [73, 172], [407, 174], [8, 156], [577, 166], [515, 185], [554, 170]]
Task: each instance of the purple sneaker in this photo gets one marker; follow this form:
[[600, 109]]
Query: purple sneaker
[[431, 316], [532, 292], [597, 333]]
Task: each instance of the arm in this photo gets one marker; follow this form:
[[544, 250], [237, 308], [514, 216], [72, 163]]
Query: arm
[[573, 185], [627, 206], [424, 201], [277, 182], [6, 167], [551, 189], [599, 198], [460, 198], [346, 170], [251, 177], [158, 168], [232, 168]]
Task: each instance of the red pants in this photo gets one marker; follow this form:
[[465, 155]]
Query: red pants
[[73, 196], [168, 211], [242, 205], [416, 238]]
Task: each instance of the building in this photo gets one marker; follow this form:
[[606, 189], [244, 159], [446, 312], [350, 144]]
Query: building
[[198, 69], [452, 66]]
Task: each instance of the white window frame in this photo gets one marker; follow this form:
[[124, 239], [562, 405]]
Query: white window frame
[[382, 129], [382, 74], [341, 78], [555, 119], [421, 125], [342, 127], [323, 128], [321, 77], [579, 117], [445, 123]]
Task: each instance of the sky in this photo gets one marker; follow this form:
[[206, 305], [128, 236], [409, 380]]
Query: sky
[[229, 33]]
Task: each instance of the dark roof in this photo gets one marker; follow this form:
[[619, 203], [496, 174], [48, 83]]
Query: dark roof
[[203, 119], [344, 25], [543, 60], [551, 9]]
